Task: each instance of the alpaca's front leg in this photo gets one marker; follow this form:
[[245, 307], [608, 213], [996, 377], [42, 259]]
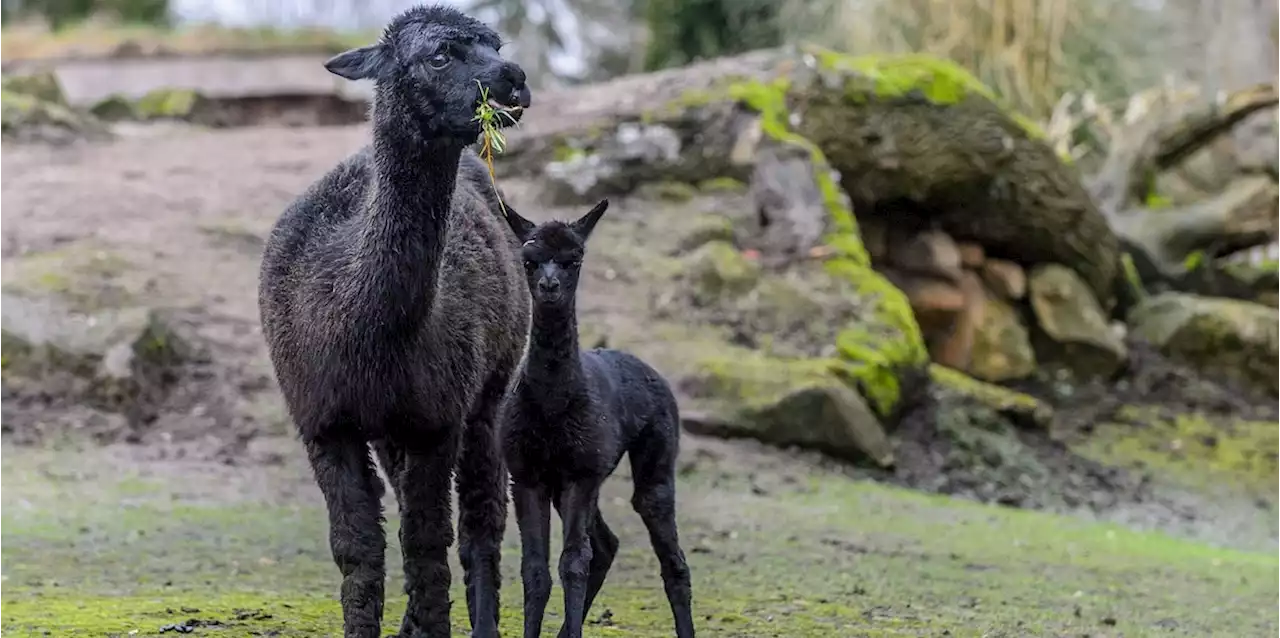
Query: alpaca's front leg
[[426, 532], [533, 516], [577, 511], [482, 517], [352, 491]]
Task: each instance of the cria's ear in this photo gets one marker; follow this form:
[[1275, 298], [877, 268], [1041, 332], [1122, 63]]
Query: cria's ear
[[360, 64], [584, 225], [519, 225]]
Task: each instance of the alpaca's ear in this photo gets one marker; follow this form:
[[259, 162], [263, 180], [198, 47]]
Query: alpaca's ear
[[519, 225], [584, 225], [360, 64]]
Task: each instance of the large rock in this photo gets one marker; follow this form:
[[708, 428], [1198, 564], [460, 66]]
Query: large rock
[[1222, 338], [1001, 344], [785, 402], [910, 130], [1077, 334], [120, 359]]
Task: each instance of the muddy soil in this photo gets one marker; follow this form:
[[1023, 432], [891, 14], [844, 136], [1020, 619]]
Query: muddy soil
[[174, 217]]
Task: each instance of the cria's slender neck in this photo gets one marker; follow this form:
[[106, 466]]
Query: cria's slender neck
[[553, 362]]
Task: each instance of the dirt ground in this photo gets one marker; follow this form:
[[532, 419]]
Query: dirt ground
[[204, 516]]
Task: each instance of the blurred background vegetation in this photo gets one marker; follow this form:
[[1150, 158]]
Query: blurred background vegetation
[[1032, 52]]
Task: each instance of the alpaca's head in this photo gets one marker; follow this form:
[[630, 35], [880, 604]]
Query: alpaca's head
[[433, 64], [553, 252]]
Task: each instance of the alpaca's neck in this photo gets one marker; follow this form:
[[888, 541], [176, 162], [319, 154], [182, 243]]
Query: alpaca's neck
[[553, 363], [406, 226]]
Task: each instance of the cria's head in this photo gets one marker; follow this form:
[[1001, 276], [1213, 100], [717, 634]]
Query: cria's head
[[440, 64], [553, 252]]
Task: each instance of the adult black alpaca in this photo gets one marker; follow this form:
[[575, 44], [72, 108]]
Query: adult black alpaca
[[570, 419], [393, 309]]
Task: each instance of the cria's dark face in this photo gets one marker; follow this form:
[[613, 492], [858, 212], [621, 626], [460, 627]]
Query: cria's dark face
[[552, 262], [441, 64]]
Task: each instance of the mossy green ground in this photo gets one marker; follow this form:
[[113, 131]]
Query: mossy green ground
[[107, 542]]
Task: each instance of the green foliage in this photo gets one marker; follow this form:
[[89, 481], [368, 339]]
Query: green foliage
[[61, 13], [682, 31]]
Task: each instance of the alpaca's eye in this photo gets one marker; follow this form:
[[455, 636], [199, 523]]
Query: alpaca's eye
[[439, 61], [530, 264]]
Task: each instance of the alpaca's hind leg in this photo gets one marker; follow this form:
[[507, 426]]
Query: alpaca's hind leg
[[653, 471], [482, 514], [426, 532], [577, 515], [533, 516], [604, 547], [391, 458], [352, 491]]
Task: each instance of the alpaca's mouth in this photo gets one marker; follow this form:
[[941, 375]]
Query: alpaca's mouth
[[514, 112]]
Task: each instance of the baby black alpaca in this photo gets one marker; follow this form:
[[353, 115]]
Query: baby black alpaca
[[394, 314], [570, 419]]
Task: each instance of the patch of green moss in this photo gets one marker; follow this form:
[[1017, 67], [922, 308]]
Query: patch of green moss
[[883, 347], [1132, 277], [41, 86], [20, 110], [722, 185], [704, 229], [114, 107], [757, 380], [565, 151], [1156, 201], [938, 80], [1193, 261], [83, 274], [667, 191], [719, 270], [167, 103], [1195, 449], [1023, 407]]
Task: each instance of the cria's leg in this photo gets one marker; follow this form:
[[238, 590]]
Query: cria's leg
[[577, 515], [482, 516], [653, 470], [604, 546], [353, 492], [533, 515], [391, 458], [426, 532]]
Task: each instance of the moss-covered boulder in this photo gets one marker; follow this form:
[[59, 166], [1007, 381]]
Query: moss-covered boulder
[[158, 104], [902, 132], [41, 86], [1222, 338], [786, 402], [120, 358], [42, 114]]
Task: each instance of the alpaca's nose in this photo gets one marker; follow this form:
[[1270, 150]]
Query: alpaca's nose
[[515, 76], [548, 285]]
